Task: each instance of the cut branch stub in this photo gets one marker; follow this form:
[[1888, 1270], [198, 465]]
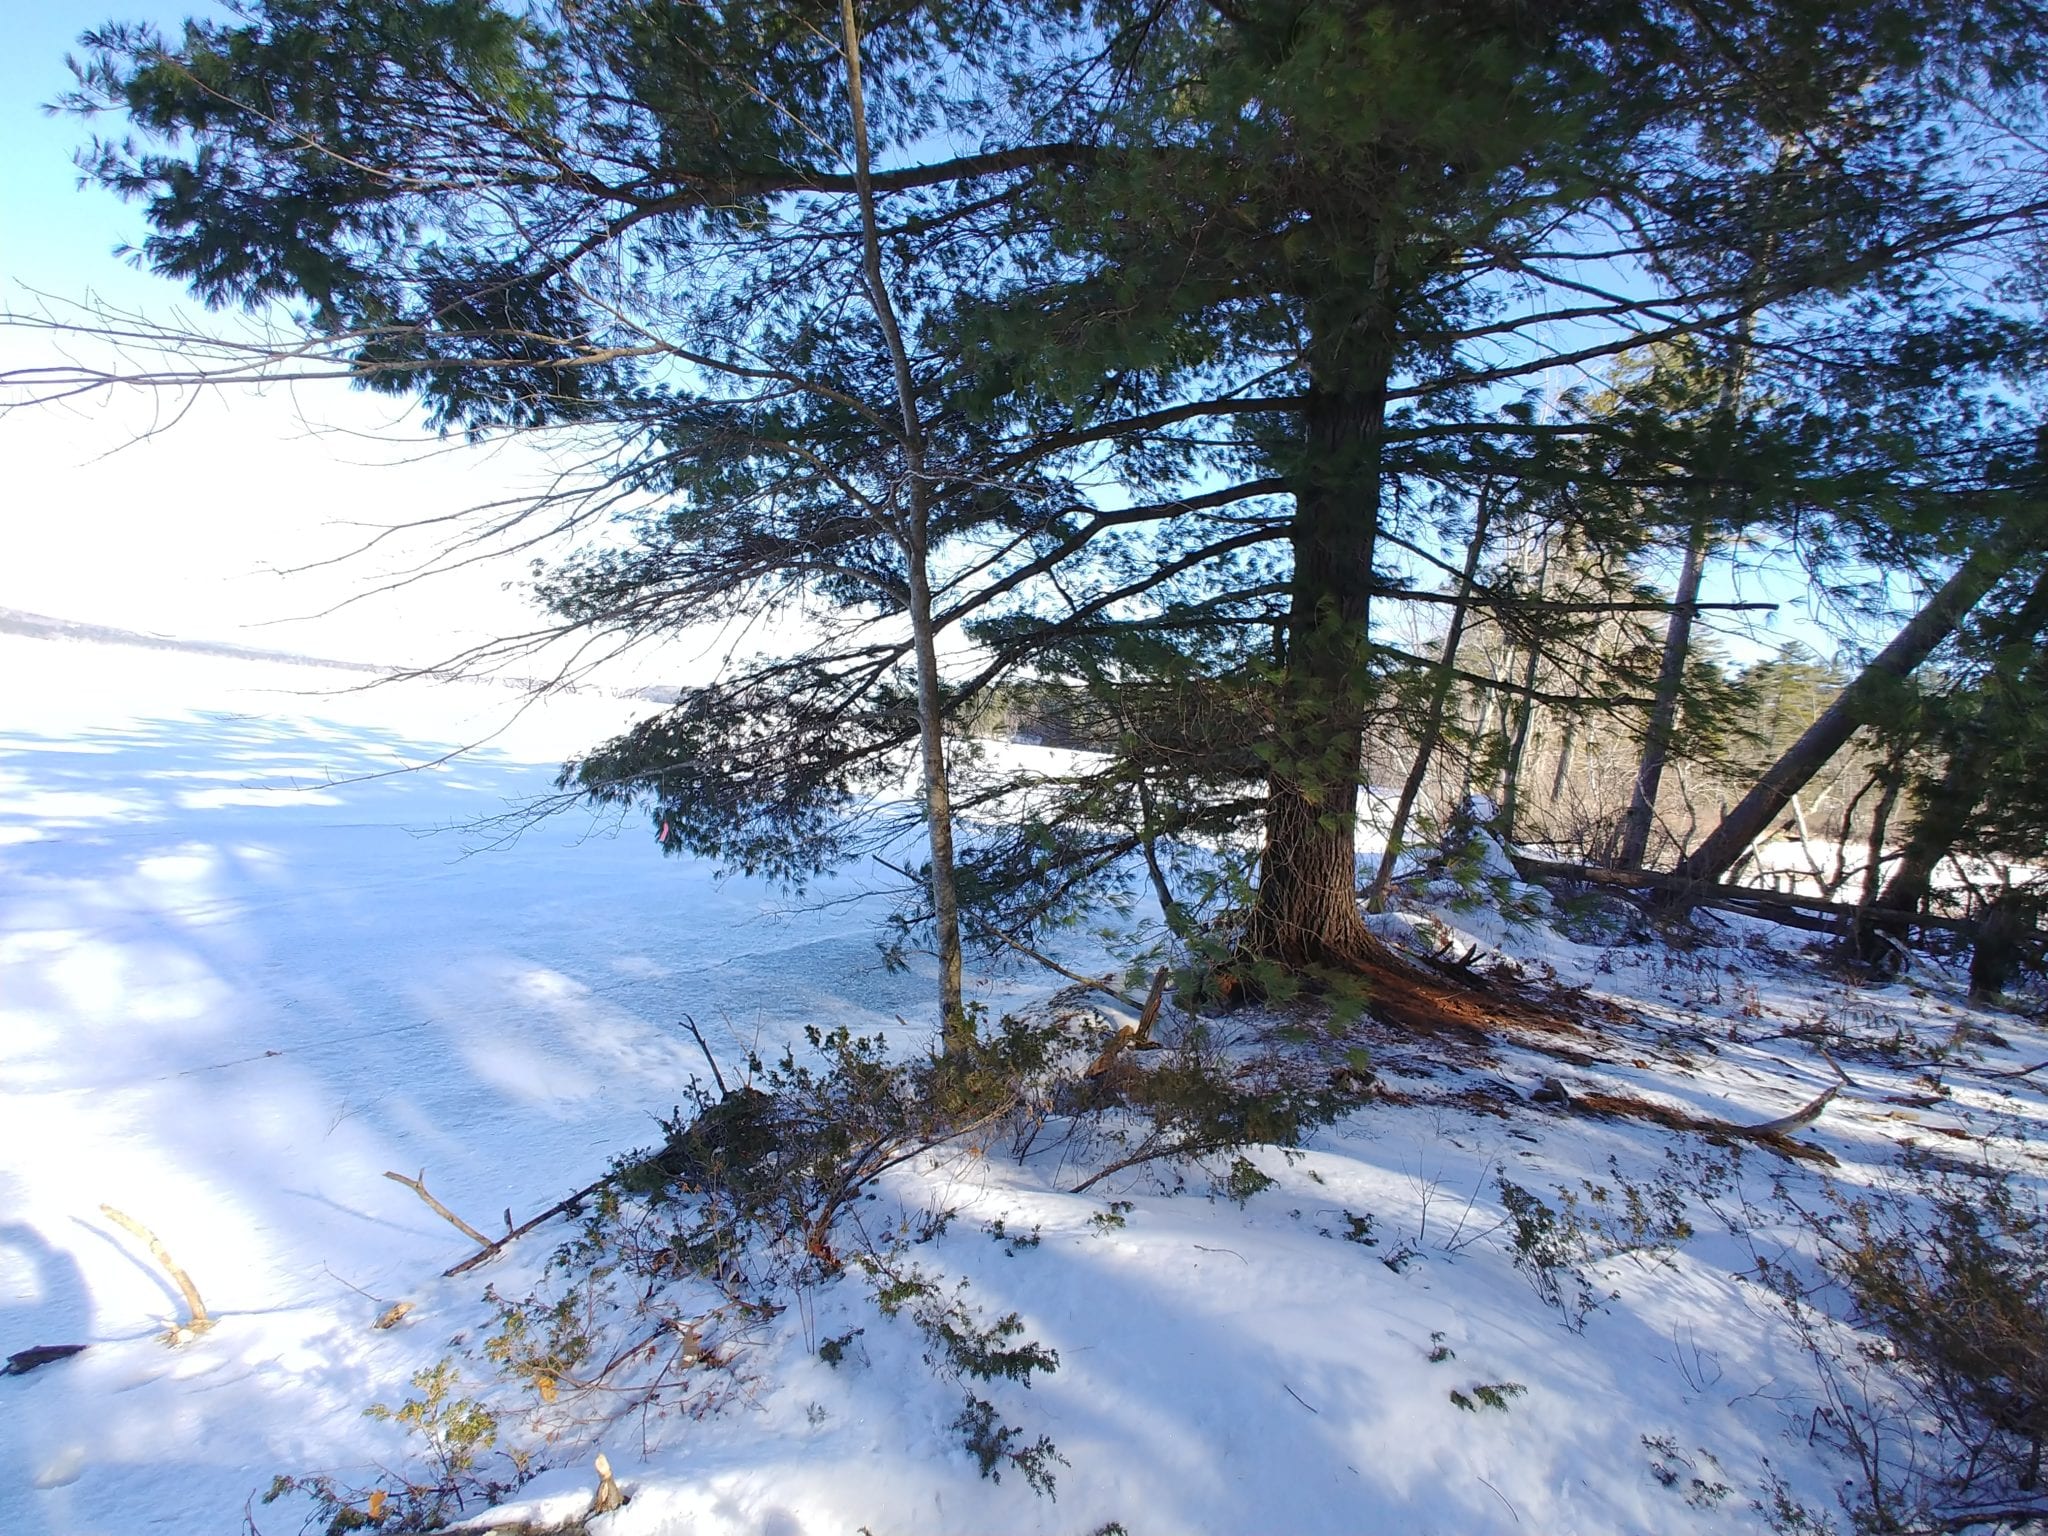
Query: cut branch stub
[[1133, 1037]]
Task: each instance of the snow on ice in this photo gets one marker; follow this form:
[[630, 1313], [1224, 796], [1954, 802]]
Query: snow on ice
[[247, 966]]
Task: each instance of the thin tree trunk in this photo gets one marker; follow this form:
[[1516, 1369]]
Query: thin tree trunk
[[1663, 723], [1511, 778], [1563, 776], [914, 536], [1880, 825], [1439, 696], [1935, 622]]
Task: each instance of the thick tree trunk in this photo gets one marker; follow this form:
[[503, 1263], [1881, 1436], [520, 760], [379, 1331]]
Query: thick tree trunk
[[1306, 915], [1663, 723], [1944, 813], [1935, 622]]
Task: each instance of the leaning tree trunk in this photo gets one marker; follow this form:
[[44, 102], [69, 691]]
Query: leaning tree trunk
[[1663, 722], [1935, 622], [1439, 696]]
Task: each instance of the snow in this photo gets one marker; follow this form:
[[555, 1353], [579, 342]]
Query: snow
[[246, 969]]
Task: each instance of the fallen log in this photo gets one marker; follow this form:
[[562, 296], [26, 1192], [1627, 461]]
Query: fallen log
[[1773, 1134], [1715, 893], [1785, 1125]]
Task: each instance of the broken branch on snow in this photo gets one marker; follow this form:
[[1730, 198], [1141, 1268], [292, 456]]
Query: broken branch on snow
[[198, 1321]]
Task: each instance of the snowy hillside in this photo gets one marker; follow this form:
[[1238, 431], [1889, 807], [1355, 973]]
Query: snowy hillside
[[247, 969]]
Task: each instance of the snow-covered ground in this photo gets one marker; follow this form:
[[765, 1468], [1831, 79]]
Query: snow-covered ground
[[246, 969]]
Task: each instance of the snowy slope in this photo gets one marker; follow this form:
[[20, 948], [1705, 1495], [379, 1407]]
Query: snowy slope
[[245, 970]]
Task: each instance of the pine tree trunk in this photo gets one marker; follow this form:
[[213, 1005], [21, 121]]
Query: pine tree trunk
[[912, 532], [1944, 813], [1306, 914], [1935, 622], [1663, 723], [956, 1028], [1525, 723], [1439, 696]]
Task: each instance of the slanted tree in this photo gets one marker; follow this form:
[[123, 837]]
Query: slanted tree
[[1986, 731], [1856, 704]]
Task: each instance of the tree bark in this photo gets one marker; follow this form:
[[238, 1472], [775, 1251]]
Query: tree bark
[[1439, 696], [1663, 722], [913, 535], [1934, 623], [1306, 915], [1525, 723], [1945, 810]]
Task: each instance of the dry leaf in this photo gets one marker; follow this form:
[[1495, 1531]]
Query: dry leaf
[[392, 1317]]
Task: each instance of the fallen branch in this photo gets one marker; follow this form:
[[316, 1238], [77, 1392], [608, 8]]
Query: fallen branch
[[1774, 1134], [419, 1187], [491, 1249], [2022, 1072], [199, 1321], [1798, 1120]]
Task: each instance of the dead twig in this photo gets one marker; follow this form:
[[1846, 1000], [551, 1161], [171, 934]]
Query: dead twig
[[719, 1077], [1311, 1407], [199, 1320], [419, 1187], [491, 1249]]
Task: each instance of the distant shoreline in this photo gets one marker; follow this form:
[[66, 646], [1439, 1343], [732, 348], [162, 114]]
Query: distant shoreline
[[41, 626]]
